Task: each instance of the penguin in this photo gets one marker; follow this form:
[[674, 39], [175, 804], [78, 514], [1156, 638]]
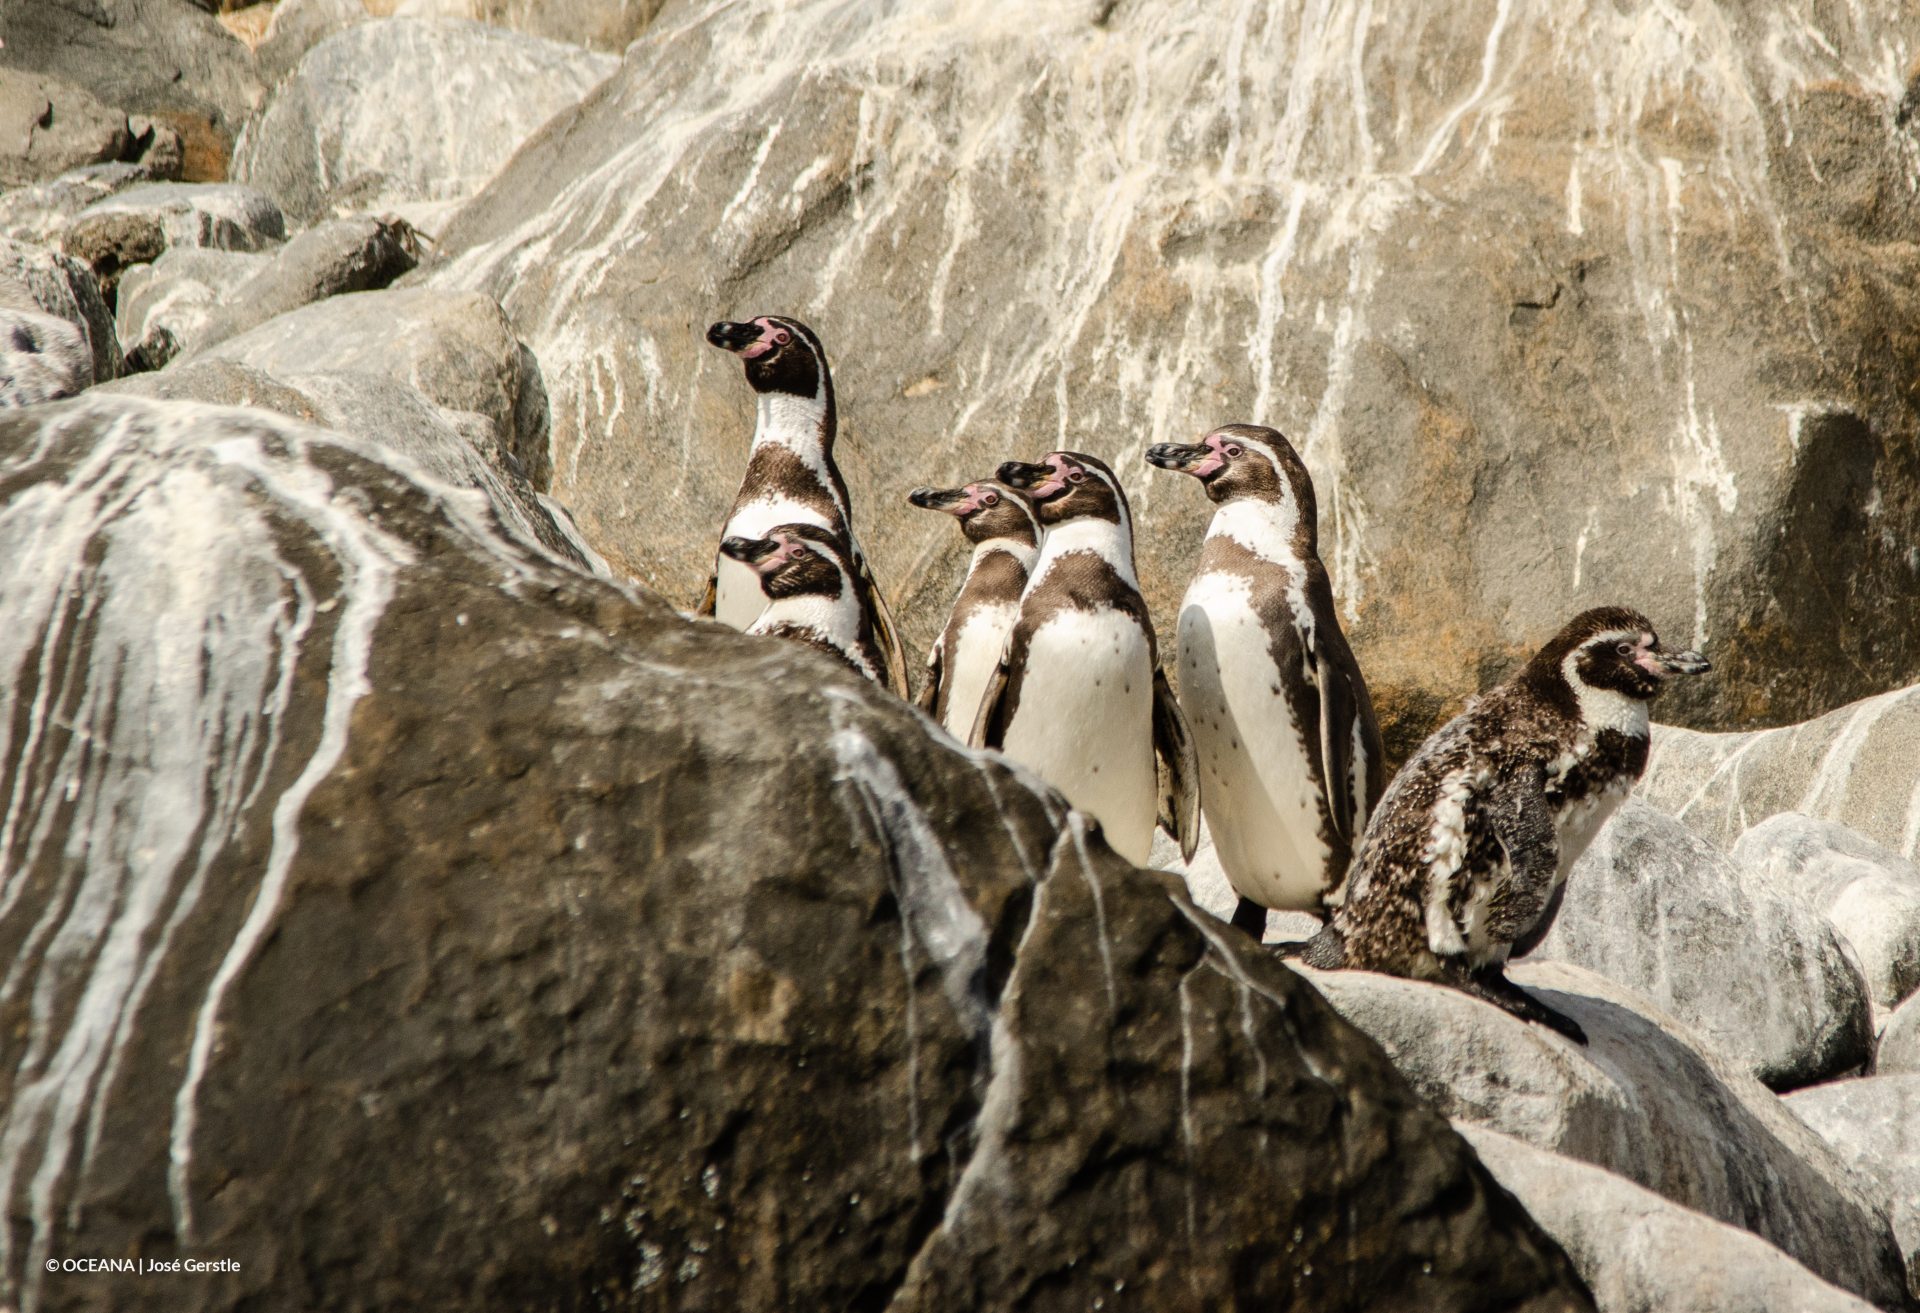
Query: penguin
[[1290, 757], [812, 596], [999, 521], [791, 477], [1079, 696], [1465, 860]]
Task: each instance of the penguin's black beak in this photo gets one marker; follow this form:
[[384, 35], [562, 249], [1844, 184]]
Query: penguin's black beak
[[748, 551], [1019, 474], [733, 337], [1182, 457], [1682, 663], [938, 499]]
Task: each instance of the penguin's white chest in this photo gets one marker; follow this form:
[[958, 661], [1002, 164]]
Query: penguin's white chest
[[1257, 782], [1085, 721], [738, 600], [972, 658]]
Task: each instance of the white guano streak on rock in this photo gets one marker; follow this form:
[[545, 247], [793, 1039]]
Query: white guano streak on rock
[[1826, 794], [1077, 827]]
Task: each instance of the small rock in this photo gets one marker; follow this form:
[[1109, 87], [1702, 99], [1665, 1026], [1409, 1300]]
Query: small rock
[[1899, 1048], [1645, 1098], [359, 254], [160, 309], [35, 278], [1726, 949], [136, 226], [1638, 1252], [48, 127], [42, 358], [1871, 894], [40, 213], [1874, 1126], [334, 118], [300, 25], [457, 348]]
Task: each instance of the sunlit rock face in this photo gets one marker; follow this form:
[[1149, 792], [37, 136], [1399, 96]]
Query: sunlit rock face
[[419, 923], [1564, 305]]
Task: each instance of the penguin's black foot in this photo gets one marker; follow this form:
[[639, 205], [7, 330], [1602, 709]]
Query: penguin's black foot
[[1490, 984], [1326, 951], [1252, 918]]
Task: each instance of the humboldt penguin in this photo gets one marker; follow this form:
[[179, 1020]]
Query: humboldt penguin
[[1289, 749], [1465, 860], [998, 520], [791, 477], [806, 577], [1079, 696]]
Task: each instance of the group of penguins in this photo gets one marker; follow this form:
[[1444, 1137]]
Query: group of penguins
[[1049, 657]]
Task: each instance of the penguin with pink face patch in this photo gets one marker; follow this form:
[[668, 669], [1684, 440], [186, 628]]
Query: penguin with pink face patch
[[1289, 748], [1079, 697], [805, 575], [999, 522], [791, 478]]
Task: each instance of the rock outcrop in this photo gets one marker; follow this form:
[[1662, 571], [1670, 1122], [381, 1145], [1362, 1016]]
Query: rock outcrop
[[1899, 1046], [415, 920], [1874, 1126], [140, 224], [48, 127], [1647, 342], [34, 278]]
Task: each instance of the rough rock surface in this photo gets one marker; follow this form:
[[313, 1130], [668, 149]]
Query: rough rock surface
[[457, 348], [1640, 1253], [325, 143], [48, 127], [1899, 1047], [40, 213], [1874, 1125], [1859, 766], [1563, 305], [298, 26], [1870, 893], [1646, 1098], [606, 25], [42, 358], [168, 59], [419, 858], [32, 277], [1732, 952], [160, 309], [138, 225]]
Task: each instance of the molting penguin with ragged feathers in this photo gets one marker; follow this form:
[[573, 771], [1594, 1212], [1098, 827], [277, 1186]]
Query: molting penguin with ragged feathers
[[1466, 858], [999, 521], [1079, 696], [791, 478], [1289, 749], [805, 575]]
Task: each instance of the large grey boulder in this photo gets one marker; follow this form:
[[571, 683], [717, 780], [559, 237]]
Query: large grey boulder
[[1645, 1098], [1870, 893], [1640, 1253], [48, 127], [1859, 766], [1564, 306], [392, 827], [297, 27], [1899, 1047], [42, 358], [160, 309], [138, 225], [608, 25], [34, 278], [1874, 1126], [1728, 949], [328, 141], [457, 348]]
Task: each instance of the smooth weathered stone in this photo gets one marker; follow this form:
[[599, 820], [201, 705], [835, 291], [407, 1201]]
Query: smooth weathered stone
[[457, 348], [1640, 1253], [1564, 305], [360, 254], [40, 213], [1874, 1126], [60, 285], [1646, 1098], [1752, 968], [42, 358], [406, 817], [325, 142], [608, 25], [138, 225], [1870, 893], [1859, 766], [48, 127], [160, 309], [298, 26], [1899, 1047]]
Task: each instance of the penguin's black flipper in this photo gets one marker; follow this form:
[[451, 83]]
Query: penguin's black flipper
[[988, 724], [929, 698], [710, 599], [1178, 770], [885, 636]]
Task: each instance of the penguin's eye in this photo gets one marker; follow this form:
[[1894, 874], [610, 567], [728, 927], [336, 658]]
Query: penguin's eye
[[781, 337], [1625, 649], [1230, 451], [1076, 476], [991, 499]]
